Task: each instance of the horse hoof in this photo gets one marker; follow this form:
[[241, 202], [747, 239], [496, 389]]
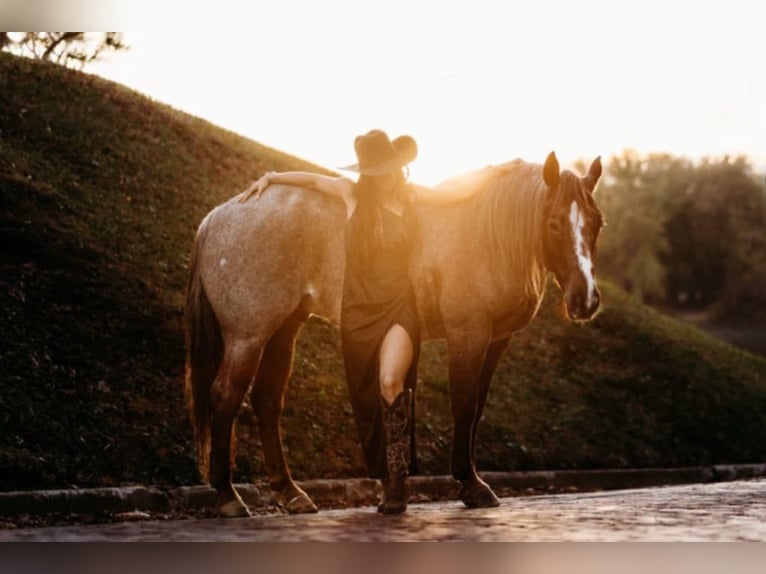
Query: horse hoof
[[478, 495], [234, 509], [388, 508], [301, 504]]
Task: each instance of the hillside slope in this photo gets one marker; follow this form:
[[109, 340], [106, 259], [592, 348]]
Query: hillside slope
[[101, 191]]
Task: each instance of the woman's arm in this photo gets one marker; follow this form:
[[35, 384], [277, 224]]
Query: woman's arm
[[337, 186]]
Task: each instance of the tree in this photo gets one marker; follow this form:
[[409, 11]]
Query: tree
[[71, 49], [688, 235], [717, 247], [634, 201]]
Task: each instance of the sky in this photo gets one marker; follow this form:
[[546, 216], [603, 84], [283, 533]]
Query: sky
[[475, 82]]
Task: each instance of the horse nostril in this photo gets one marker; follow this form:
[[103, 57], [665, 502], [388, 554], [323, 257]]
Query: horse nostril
[[575, 304]]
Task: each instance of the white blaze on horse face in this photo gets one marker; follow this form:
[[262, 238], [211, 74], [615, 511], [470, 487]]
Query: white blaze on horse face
[[581, 249]]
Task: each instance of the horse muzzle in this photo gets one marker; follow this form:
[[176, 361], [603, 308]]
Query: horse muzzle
[[582, 303]]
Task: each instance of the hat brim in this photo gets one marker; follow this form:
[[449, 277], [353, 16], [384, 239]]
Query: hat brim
[[406, 151], [380, 169]]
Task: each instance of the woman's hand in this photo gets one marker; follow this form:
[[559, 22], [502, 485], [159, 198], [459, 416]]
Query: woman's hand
[[257, 187]]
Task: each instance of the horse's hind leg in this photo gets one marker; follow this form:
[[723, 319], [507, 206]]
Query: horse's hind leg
[[267, 398], [228, 390]]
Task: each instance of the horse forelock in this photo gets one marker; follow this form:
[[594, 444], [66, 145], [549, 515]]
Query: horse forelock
[[573, 189], [508, 214]]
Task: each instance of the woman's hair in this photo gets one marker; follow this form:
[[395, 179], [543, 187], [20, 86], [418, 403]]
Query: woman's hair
[[368, 208]]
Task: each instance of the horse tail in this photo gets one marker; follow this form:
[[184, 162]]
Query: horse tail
[[204, 354]]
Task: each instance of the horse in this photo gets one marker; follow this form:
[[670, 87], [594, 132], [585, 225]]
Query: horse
[[260, 268]]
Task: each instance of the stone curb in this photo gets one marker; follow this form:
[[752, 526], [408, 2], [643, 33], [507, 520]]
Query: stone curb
[[341, 493]]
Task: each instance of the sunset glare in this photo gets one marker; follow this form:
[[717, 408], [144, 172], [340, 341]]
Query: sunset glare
[[474, 82]]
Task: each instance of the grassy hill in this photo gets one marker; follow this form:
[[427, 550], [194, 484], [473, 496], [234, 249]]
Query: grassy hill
[[101, 190]]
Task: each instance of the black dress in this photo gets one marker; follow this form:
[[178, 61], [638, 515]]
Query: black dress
[[377, 294]]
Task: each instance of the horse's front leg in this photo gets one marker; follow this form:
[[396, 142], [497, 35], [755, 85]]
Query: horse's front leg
[[267, 398], [468, 347], [491, 360]]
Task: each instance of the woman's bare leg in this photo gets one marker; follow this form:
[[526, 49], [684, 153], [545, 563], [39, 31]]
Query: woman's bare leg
[[396, 354]]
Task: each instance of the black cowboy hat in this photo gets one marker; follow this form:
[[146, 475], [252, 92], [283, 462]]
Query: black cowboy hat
[[378, 155]]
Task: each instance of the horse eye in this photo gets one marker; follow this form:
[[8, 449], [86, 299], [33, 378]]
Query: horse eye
[[554, 226]]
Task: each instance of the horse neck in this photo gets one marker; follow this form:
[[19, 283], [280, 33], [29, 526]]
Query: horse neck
[[509, 213]]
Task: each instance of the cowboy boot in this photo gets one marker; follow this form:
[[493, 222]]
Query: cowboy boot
[[396, 422]]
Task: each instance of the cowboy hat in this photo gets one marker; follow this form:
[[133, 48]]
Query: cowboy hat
[[378, 155]]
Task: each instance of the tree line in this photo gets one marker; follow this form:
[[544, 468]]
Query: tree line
[[690, 235]]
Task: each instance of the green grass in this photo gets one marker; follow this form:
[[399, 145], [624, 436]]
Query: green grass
[[101, 190]]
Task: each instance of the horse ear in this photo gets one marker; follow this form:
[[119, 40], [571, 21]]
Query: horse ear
[[594, 174], [551, 171]]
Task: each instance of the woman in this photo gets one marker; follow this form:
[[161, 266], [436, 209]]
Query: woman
[[379, 322]]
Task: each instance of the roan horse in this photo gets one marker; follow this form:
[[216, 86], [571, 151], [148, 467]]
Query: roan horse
[[259, 269]]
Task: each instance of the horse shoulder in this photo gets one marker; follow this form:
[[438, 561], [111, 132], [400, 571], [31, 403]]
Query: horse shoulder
[[449, 276], [459, 284]]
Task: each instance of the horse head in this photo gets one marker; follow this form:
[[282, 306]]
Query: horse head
[[572, 223]]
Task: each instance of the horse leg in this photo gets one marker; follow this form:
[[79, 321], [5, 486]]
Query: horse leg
[[228, 390], [267, 398], [494, 352], [466, 364], [478, 493]]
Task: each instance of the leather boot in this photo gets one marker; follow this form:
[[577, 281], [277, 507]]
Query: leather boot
[[396, 425]]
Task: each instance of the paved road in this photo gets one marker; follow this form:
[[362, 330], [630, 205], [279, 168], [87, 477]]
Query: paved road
[[728, 511]]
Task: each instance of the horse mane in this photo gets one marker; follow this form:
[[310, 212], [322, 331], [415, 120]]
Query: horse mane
[[507, 213]]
